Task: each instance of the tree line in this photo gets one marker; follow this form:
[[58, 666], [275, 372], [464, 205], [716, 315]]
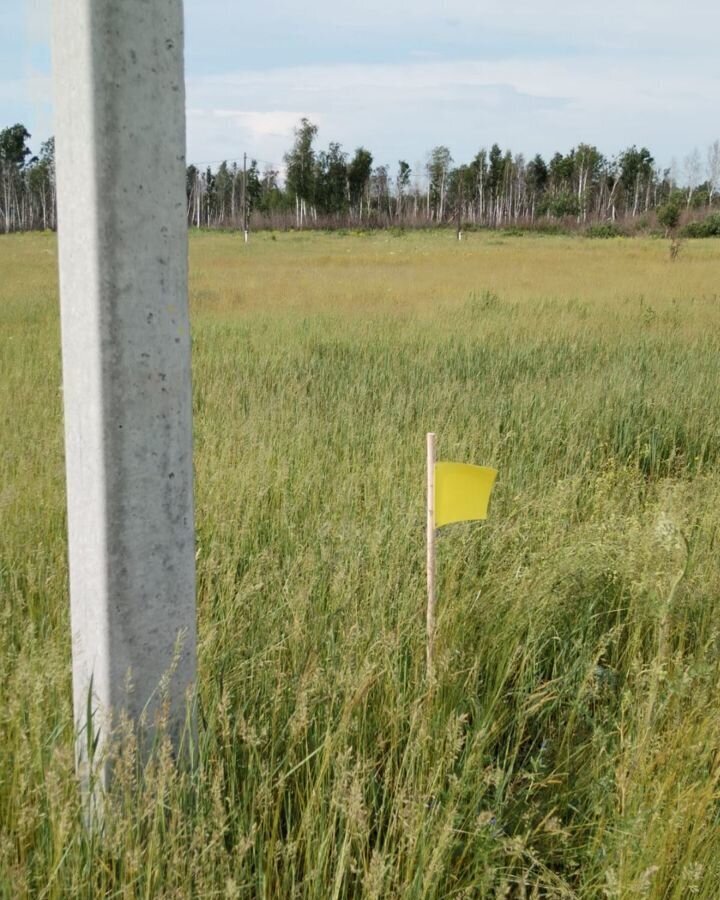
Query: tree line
[[326, 188], [27, 182]]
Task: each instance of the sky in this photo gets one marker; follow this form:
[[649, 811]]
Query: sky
[[403, 77]]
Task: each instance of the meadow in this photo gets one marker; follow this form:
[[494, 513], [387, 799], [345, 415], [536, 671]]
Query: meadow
[[571, 748]]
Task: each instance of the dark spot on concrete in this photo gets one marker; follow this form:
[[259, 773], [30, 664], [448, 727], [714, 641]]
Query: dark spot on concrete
[[150, 317]]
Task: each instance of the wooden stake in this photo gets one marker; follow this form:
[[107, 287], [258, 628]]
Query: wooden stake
[[430, 555], [245, 202]]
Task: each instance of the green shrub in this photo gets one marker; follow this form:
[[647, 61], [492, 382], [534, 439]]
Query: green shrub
[[707, 227], [669, 215], [545, 227], [560, 206], [604, 230]]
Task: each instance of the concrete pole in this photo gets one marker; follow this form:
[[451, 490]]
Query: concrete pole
[[120, 131]]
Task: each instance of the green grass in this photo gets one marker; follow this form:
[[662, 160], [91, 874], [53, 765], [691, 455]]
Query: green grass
[[571, 748]]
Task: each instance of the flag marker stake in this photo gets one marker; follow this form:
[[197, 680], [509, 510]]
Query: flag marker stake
[[430, 555], [456, 492]]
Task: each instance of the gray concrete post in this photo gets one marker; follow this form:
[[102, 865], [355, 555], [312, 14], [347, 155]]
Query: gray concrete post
[[120, 134]]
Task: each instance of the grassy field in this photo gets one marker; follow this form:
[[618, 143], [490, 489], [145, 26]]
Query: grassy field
[[572, 748]]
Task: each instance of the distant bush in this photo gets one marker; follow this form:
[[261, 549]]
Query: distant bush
[[604, 230], [539, 226], [545, 227], [560, 205], [668, 215], [708, 227]]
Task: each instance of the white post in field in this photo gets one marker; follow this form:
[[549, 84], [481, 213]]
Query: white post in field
[[430, 556], [120, 134]]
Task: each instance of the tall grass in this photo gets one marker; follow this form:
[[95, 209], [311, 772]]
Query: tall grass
[[571, 749]]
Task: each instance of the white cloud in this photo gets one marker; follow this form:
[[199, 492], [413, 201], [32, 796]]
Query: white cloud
[[615, 23], [38, 20], [278, 123], [11, 91], [534, 77], [217, 133], [406, 108]]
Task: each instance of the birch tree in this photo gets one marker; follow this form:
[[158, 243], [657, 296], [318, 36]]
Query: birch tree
[[359, 172], [438, 169], [693, 173], [300, 163], [402, 186], [14, 152], [712, 170]]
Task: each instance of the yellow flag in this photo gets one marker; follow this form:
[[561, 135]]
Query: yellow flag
[[462, 492]]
